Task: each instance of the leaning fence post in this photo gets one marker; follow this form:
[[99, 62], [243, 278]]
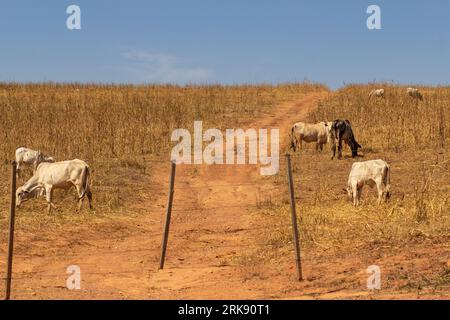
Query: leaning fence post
[[168, 216], [12, 217], [294, 219]]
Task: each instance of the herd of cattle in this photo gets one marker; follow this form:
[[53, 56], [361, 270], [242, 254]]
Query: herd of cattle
[[372, 173], [49, 175], [411, 92]]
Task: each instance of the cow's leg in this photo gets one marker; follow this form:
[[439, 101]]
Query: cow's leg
[[386, 193], [380, 189], [319, 146], [80, 203], [301, 142], [18, 169], [80, 195], [89, 196], [333, 150], [49, 197], [340, 149], [358, 195], [355, 195]]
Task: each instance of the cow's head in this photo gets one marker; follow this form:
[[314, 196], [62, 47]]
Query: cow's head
[[22, 195], [354, 146], [349, 192]]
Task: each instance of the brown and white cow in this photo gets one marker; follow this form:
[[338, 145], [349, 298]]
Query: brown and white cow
[[318, 133]]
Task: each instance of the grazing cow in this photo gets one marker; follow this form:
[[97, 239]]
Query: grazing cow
[[341, 130], [318, 133], [378, 93], [414, 93], [30, 157], [371, 173], [60, 175]]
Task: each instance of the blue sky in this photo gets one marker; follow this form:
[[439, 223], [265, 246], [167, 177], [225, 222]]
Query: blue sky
[[232, 41]]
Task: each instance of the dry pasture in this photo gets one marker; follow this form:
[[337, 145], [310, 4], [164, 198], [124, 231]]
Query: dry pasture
[[217, 250]]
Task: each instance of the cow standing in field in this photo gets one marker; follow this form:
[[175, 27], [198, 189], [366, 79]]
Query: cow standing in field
[[318, 133], [378, 93], [341, 130], [371, 173], [58, 175], [414, 93], [30, 157]]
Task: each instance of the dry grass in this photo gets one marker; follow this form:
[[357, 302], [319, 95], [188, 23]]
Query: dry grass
[[117, 130], [125, 122], [394, 123]]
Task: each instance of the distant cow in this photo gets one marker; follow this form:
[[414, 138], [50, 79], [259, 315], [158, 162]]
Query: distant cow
[[378, 93], [371, 173], [414, 93], [318, 133], [58, 175], [341, 130], [30, 157]]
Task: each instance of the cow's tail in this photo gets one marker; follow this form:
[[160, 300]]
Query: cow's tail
[[387, 181], [85, 181]]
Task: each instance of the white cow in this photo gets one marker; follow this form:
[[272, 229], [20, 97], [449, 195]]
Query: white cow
[[414, 93], [377, 93], [60, 175], [30, 157], [319, 133], [372, 173]]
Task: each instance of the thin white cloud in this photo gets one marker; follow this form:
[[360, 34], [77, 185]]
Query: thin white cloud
[[157, 67]]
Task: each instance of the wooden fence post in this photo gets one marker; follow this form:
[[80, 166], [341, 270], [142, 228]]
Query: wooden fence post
[[12, 218], [168, 216], [294, 219]]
